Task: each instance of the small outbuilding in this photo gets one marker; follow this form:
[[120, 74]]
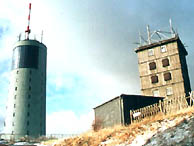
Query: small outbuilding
[[117, 110]]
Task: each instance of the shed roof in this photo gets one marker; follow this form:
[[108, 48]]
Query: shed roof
[[126, 96]]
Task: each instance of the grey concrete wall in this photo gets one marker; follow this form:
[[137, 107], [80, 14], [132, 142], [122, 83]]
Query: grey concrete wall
[[109, 113]]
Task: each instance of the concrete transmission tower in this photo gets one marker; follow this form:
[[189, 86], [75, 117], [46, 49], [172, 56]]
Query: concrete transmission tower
[[26, 104]]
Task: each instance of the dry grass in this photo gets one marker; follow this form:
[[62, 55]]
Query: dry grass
[[120, 134]]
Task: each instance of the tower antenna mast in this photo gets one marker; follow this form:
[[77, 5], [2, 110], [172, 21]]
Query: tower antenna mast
[[28, 27]]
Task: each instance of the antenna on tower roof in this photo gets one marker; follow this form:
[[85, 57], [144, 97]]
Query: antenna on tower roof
[[173, 33], [149, 34], [41, 36], [28, 27]]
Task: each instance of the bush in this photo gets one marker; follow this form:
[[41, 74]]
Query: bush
[[97, 124]]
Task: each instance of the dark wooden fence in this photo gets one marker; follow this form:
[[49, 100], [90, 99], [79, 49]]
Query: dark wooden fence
[[167, 106]]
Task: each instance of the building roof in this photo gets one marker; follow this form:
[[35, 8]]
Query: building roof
[[159, 43], [124, 96]]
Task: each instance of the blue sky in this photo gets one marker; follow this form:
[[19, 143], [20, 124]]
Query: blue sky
[[91, 56]]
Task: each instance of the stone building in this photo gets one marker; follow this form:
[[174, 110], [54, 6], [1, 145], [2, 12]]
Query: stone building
[[163, 68]]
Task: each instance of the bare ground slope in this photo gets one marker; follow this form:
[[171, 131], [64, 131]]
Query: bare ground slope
[[173, 130]]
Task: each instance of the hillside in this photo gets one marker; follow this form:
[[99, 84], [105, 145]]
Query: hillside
[[174, 129]]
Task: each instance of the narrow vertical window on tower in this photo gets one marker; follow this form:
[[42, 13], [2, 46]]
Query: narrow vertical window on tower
[[28, 123], [163, 49], [150, 52]]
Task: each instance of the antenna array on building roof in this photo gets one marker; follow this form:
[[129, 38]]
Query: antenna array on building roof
[[157, 35]]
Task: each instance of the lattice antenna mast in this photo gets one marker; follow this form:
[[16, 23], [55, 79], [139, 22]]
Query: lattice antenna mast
[[149, 34], [173, 33], [28, 27]]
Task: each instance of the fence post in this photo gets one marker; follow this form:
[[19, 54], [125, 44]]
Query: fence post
[[131, 116], [190, 93]]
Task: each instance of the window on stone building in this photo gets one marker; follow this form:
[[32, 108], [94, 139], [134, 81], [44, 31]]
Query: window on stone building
[[154, 79], [150, 52], [14, 105], [13, 114], [152, 65], [28, 123], [16, 88], [28, 114], [165, 62], [167, 76], [163, 48], [17, 71], [156, 93], [27, 132], [169, 91], [29, 87]]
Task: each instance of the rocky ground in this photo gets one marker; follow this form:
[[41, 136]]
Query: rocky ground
[[179, 135]]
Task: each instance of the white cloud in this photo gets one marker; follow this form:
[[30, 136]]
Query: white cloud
[[71, 50], [68, 122]]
